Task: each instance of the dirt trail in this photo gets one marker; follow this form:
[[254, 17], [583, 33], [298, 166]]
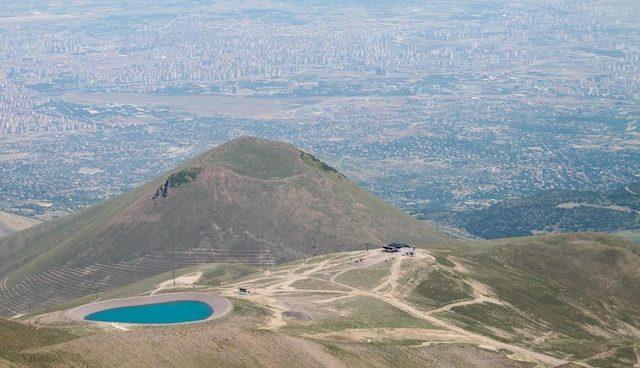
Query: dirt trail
[[477, 300], [479, 339], [637, 351], [120, 327], [369, 260], [180, 281], [269, 295], [334, 299], [481, 294], [364, 334], [604, 354], [392, 280]]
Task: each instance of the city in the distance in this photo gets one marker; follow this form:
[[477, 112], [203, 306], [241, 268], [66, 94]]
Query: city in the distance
[[320, 183]]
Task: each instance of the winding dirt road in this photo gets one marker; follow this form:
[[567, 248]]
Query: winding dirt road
[[271, 296]]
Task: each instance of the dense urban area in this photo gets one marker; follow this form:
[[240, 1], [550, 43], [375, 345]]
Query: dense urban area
[[439, 107]]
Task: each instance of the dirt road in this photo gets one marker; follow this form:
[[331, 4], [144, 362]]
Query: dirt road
[[272, 296]]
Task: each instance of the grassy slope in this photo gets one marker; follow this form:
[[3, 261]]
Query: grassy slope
[[440, 288], [631, 235], [282, 199], [10, 223], [365, 278], [358, 312], [52, 243], [16, 338], [582, 291]]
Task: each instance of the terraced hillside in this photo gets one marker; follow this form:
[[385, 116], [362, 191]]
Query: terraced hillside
[[60, 284], [250, 200]]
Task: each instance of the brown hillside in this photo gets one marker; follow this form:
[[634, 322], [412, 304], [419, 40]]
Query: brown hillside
[[250, 200], [10, 223]]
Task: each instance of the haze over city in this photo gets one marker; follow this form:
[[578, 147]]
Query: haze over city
[[320, 183], [437, 107]]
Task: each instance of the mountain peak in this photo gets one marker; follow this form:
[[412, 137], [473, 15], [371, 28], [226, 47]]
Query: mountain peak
[[261, 158], [250, 200]]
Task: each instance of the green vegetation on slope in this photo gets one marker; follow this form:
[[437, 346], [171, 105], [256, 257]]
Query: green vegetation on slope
[[18, 339], [358, 312], [312, 161], [444, 260], [365, 278], [580, 290], [631, 235], [10, 223], [17, 336], [497, 321], [558, 211], [621, 357], [184, 176], [440, 287], [258, 158], [224, 273]]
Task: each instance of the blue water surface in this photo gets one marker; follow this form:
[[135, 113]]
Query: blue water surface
[[157, 313]]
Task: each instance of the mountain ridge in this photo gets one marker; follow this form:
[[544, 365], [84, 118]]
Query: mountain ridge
[[557, 211]]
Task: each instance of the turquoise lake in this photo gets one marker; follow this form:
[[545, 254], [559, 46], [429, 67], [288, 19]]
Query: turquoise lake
[[158, 313]]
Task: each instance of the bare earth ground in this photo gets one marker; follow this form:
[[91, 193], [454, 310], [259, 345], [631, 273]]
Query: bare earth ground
[[178, 282]]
